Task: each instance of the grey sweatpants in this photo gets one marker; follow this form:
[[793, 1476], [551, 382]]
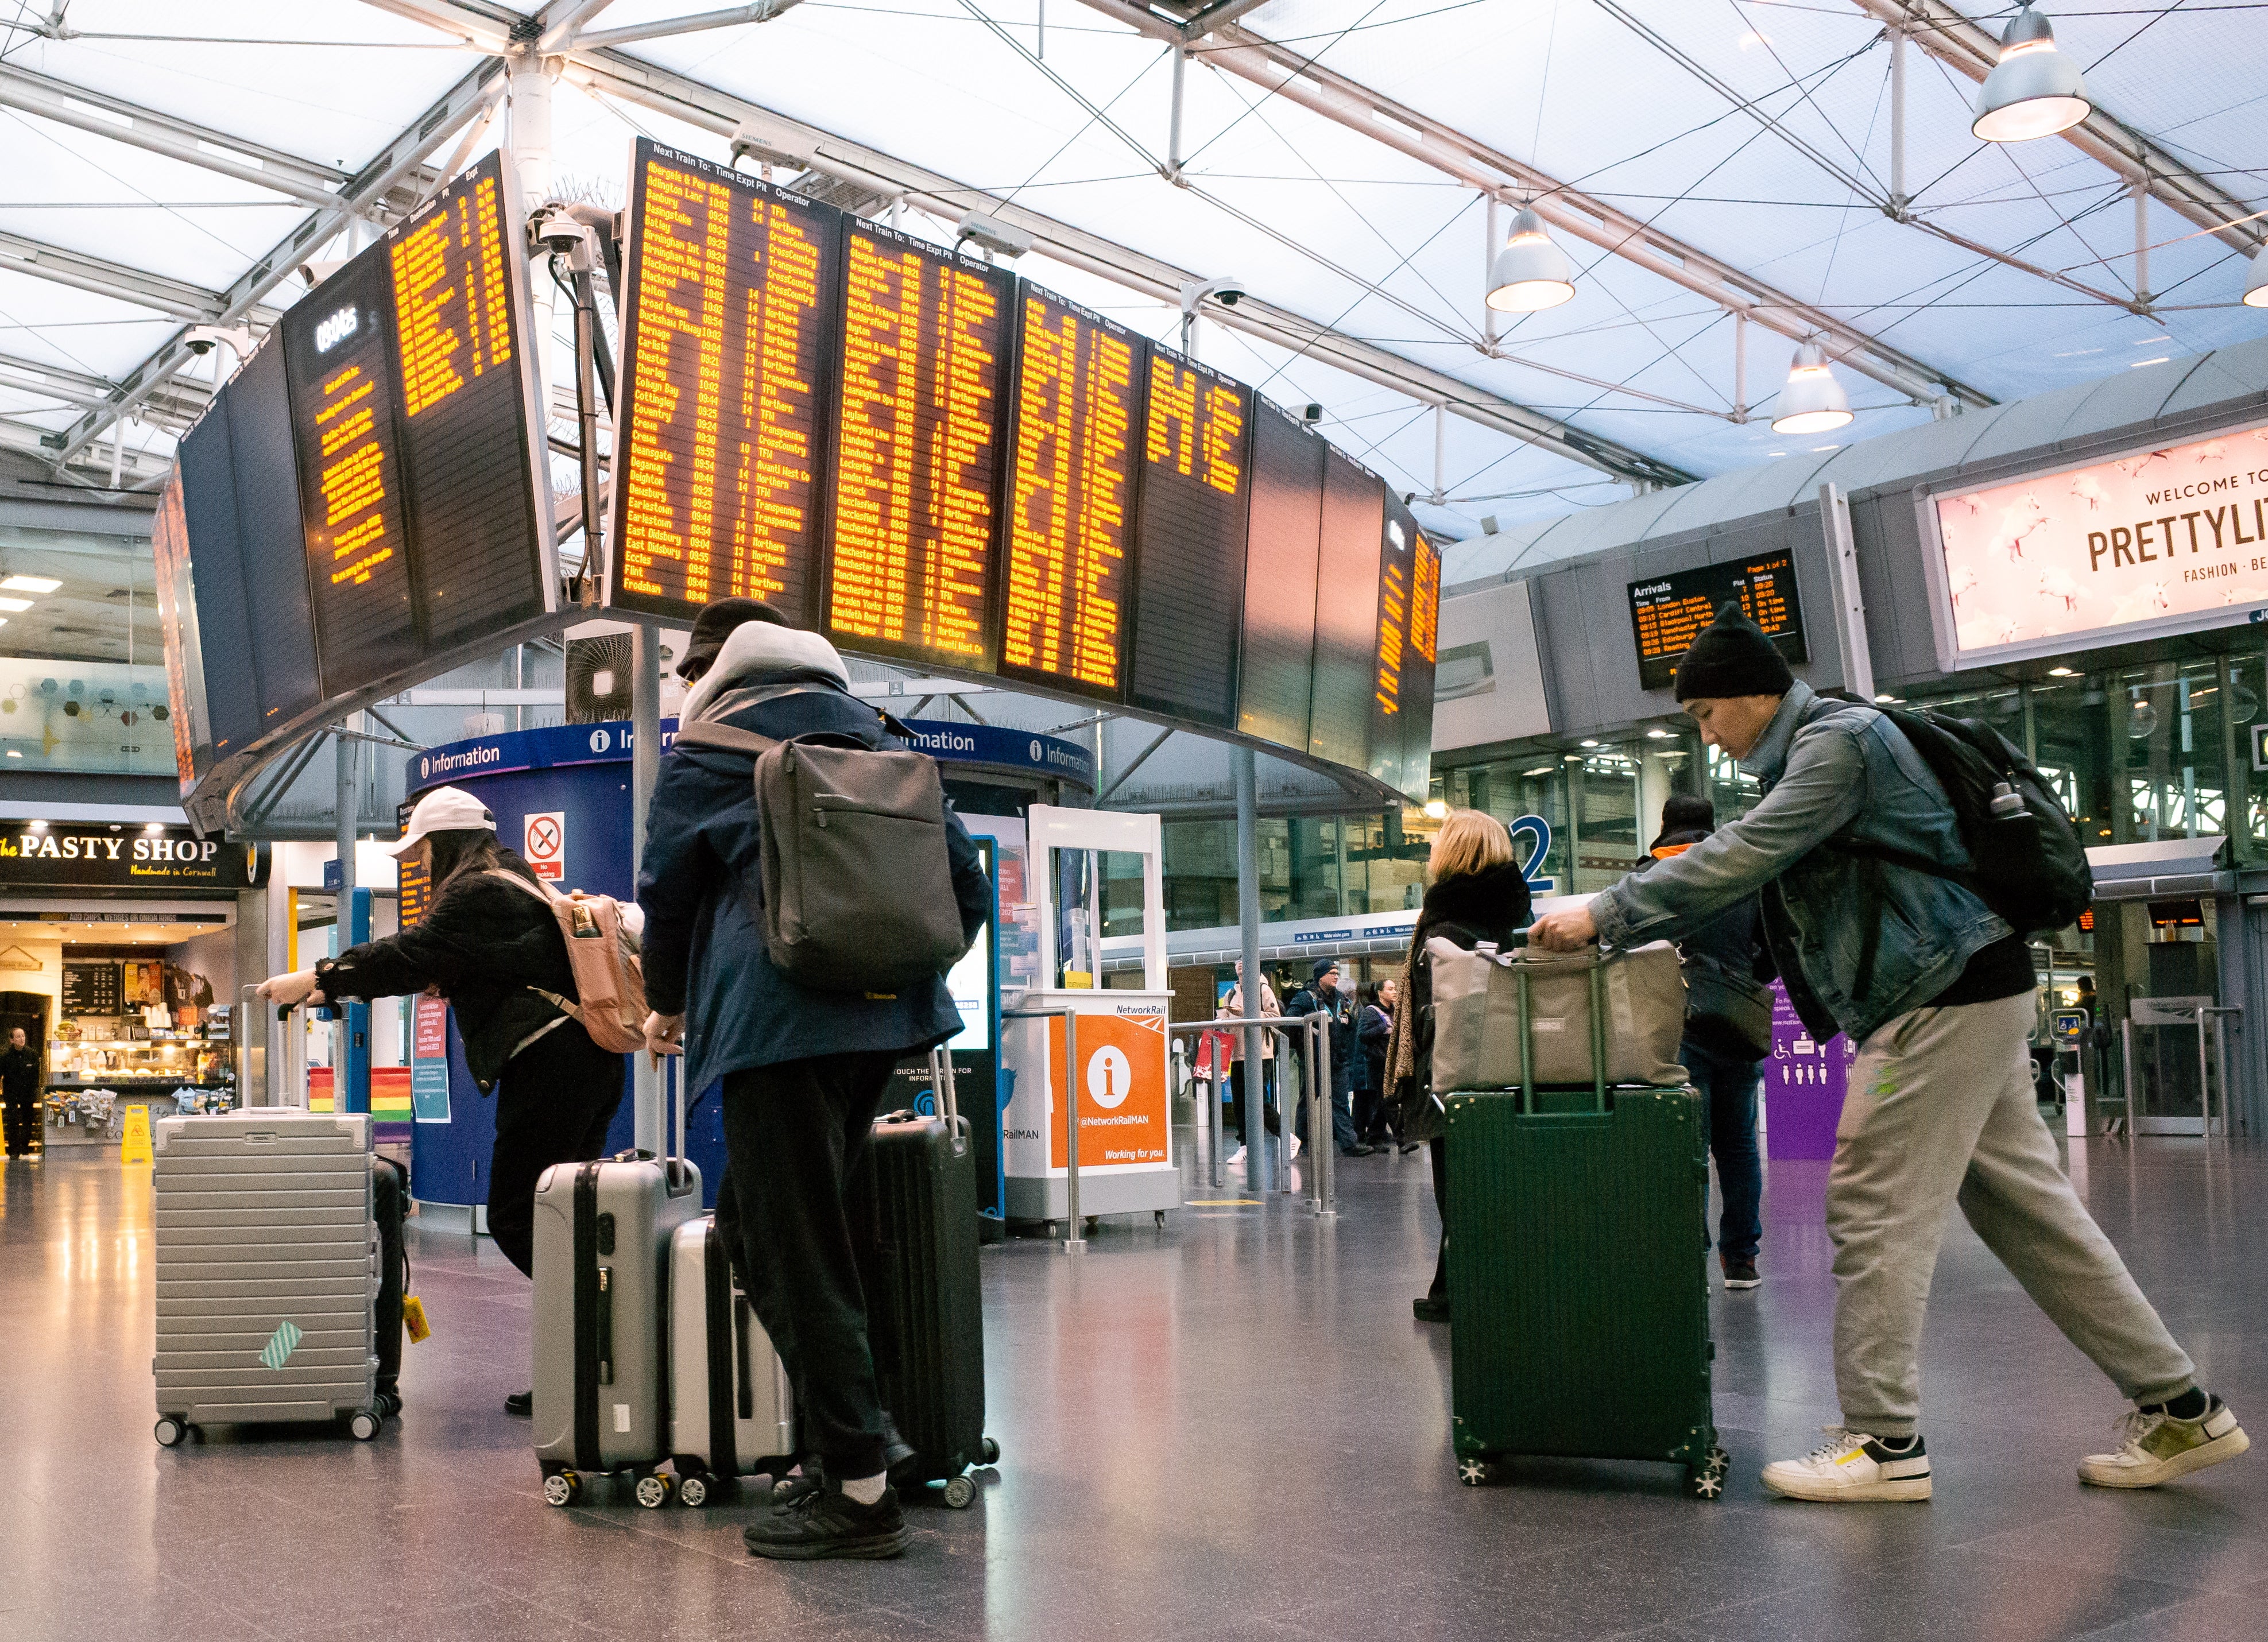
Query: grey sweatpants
[[1940, 1109]]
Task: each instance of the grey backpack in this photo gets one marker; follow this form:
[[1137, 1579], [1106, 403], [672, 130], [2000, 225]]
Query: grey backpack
[[856, 890]]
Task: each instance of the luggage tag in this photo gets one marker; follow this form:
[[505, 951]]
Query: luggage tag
[[413, 1319]]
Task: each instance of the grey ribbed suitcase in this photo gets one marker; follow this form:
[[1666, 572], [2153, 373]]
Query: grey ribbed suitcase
[[266, 1270], [731, 1413]]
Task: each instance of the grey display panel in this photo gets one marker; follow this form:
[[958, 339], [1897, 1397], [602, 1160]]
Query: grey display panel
[[1346, 611], [1275, 688], [1190, 543]]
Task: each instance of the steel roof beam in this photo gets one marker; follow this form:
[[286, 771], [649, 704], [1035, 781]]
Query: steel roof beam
[[400, 158], [172, 298], [722, 114], [1943, 32]]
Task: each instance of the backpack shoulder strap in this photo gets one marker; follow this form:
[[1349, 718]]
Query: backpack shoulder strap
[[518, 882], [702, 733]]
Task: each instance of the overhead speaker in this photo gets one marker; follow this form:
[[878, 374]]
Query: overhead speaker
[[599, 678]]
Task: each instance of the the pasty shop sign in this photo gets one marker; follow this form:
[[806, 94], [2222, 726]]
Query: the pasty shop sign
[[2167, 540], [124, 855]]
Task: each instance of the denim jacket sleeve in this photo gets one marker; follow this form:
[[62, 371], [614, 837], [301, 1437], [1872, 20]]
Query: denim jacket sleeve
[[1822, 789]]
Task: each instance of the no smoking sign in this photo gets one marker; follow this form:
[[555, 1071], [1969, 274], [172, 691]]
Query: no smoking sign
[[544, 844]]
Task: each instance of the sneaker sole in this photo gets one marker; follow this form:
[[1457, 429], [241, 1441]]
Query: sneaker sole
[[879, 1548], [1904, 1490], [2228, 1446], [1744, 1283]]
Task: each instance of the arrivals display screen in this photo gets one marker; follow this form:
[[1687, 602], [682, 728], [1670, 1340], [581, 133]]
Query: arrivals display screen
[[1668, 612], [1353, 532], [920, 433], [728, 332], [1066, 582], [1189, 542]]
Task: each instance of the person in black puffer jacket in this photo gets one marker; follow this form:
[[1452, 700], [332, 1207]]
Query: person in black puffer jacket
[[492, 947], [1478, 895]]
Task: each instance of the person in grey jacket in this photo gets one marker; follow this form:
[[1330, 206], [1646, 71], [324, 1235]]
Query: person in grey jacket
[[1936, 991]]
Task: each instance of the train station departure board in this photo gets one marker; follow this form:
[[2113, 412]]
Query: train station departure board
[[1346, 611], [1277, 675], [920, 439], [1189, 542], [1401, 667], [1066, 581], [1668, 612], [728, 340]]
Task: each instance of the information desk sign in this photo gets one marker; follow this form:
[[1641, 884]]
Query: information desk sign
[[1189, 542], [729, 343], [1066, 582], [1668, 612], [920, 440]]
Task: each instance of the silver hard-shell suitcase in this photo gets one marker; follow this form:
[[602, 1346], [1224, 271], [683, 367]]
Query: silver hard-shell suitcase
[[266, 1251], [602, 1233], [730, 1412]]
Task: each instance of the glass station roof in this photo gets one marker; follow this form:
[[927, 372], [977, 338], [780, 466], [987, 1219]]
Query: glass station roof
[[170, 166]]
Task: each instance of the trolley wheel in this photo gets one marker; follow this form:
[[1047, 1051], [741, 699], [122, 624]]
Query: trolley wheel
[[693, 1491], [1707, 1481], [170, 1433], [653, 1491], [1475, 1472], [960, 1492], [562, 1488], [990, 1450], [364, 1424]]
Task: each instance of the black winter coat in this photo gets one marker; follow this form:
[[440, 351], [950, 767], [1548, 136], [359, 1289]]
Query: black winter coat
[[1720, 957], [1493, 904], [483, 943]]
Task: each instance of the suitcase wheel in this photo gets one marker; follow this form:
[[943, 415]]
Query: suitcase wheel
[[960, 1492], [1475, 1472], [693, 1491], [171, 1432], [562, 1488], [990, 1450], [364, 1424], [1707, 1481], [653, 1489]]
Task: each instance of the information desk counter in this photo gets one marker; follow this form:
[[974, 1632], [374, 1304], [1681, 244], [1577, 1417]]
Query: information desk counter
[[1125, 1129]]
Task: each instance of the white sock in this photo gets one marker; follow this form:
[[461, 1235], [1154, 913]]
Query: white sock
[[866, 1490]]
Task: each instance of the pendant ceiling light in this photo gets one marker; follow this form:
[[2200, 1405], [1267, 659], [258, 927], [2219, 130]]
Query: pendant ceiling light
[[2034, 90], [1531, 273], [1813, 401], [2256, 289]]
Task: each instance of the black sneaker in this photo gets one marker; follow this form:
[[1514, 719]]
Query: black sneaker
[[1431, 1308], [898, 1461], [824, 1523], [521, 1403], [1358, 1149], [1742, 1274]]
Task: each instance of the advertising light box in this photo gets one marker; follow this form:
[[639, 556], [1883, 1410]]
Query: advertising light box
[[2157, 542]]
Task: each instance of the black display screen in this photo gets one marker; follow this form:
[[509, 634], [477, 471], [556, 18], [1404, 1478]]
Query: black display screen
[[1276, 684], [1346, 611], [1189, 542], [207, 465], [1401, 677], [1668, 612]]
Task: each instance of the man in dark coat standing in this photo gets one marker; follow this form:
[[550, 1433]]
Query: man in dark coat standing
[[804, 1070], [19, 1093]]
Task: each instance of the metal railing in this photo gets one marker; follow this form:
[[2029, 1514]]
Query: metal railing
[[1315, 1080], [1074, 1227]]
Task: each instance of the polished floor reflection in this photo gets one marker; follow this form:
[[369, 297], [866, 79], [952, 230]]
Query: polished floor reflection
[[1228, 1428]]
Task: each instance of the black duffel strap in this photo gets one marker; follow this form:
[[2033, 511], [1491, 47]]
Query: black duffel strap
[[724, 1458], [586, 1316]]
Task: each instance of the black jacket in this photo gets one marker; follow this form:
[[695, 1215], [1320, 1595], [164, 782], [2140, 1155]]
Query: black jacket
[[1347, 1070], [20, 1072], [1492, 904], [483, 943], [1724, 957]]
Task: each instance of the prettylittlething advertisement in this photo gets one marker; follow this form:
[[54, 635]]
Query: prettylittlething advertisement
[[2154, 541]]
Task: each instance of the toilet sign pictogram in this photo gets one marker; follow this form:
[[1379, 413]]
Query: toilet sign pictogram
[[545, 845]]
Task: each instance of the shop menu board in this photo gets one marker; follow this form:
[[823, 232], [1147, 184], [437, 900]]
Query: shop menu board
[[729, 282], [1668, 612], [1071, 499], [363, 503], [91, 989], [932, 461]]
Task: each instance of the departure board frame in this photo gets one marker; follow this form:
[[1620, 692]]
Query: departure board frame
[[641, 484], [1666, 611], [1092, 337], [980, 615]]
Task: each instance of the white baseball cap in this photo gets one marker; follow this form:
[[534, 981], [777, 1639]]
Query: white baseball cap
[[444, 809]]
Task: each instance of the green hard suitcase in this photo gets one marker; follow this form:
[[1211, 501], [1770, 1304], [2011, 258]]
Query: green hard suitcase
[[1577, 1275]]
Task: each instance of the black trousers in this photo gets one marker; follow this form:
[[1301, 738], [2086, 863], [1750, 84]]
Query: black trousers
[[554, 1103], [19, 1121], [796, 1136], [389, 1196], [1438, 1148], [1236, 1100]]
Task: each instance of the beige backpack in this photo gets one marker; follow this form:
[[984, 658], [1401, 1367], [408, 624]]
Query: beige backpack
[[602, 951]]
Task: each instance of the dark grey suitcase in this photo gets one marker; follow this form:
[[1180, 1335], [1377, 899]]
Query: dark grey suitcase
[[267, 1270]]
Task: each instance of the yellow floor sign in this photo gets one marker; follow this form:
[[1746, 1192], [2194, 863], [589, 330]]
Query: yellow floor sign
[[136, 1149]]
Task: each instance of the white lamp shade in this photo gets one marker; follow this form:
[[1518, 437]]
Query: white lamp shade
[[2034, 90], [1530, 272], [1813, 401], [2256, 289]]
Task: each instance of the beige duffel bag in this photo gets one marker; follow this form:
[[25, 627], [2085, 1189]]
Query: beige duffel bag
[[1615, 1018]]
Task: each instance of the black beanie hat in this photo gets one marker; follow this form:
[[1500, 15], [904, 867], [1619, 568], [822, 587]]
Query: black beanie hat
[[1323, 967], [1732, 657], [714, 625]]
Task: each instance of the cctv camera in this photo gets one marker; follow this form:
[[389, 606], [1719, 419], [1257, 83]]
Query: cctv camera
[[203, 339], [1230, 292], [552, 228]]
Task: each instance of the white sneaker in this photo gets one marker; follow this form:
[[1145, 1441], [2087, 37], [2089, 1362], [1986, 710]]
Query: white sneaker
[[2157, 1447], [1295, 1146], [1236, 1158], [1851, 1466]]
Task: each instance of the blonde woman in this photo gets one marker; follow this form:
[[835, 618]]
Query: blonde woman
[[1477, 893]]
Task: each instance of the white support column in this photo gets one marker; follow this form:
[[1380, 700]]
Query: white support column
[[1488, 269], [1441, 455], [2141, 189], [530, 158], [1899, 123], [1740, 366], [1173, 120]]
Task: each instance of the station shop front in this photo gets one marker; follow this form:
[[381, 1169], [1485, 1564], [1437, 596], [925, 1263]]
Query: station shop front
[[118, 960]]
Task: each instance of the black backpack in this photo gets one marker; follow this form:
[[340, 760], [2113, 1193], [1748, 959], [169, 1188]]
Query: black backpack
[[2027, 862]]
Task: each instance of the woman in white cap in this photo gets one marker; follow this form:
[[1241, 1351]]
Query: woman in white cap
[[494, 951]]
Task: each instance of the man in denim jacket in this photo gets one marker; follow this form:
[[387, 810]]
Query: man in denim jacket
[[1936, 991]]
